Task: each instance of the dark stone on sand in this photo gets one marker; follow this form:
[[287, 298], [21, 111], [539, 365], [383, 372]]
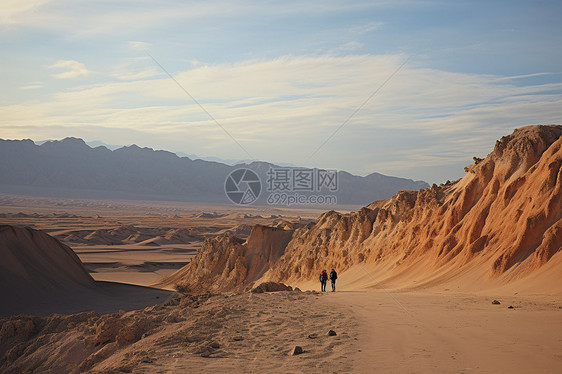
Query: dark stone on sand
[[496, 302], [511, 307], [238, 338], [312, 336], [332, 333], [297, 351]]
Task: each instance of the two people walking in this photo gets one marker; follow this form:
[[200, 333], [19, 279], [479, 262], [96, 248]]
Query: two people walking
[[324, 280]]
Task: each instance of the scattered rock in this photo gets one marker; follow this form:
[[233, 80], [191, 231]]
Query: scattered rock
[[238, 338], [511, 307], [271, 287], [312, 336], [132, 331], [496, 302], [332, 333], [297, 351], [107, 330]]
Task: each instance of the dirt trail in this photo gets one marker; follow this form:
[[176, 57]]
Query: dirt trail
[[453, 333]]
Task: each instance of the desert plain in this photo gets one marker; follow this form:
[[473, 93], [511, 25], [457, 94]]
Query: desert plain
[[129, 247]]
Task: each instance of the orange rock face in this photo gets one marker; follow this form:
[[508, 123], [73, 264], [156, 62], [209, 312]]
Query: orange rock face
[[503, 218], [228, 263], [505, 212]]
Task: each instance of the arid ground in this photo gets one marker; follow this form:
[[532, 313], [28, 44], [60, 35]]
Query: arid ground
[[378, 328]]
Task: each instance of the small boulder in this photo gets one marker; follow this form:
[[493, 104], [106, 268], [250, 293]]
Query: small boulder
[[107, 330], [312, 336], [297, 351], [332, 333], [271, 287], [496, 302], [132, 331]]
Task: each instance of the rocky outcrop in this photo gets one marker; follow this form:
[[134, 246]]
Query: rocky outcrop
[[506, 211], [505, 215], [271, 287], [227, 263]]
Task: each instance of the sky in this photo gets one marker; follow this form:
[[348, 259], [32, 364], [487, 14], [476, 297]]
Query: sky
[[405, 88]]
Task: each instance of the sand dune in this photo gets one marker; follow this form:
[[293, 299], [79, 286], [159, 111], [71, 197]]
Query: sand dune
[[35, 266], [40, 275], [130, 234]]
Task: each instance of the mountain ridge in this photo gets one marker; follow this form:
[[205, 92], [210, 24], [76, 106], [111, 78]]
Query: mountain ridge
[[72, 167]]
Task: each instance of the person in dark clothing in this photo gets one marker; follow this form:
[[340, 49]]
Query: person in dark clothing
[[323, 280], [333, 277]]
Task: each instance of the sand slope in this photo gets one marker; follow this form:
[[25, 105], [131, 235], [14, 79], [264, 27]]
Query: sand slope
[[500, 223], [36, 266], [503, 220], [40, 275]]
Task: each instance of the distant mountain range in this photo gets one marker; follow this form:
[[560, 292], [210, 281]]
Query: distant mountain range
[[192, 156], [71, 168]]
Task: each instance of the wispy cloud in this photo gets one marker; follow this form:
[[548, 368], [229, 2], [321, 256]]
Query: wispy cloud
[[74, 69], [32, 86], [11, 11], [514, 77], [278, 108], [350, 46], [89, 18], [139, 46], [134, 69], [366, 28]]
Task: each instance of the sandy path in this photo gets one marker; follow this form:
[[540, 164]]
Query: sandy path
[[454, 333]]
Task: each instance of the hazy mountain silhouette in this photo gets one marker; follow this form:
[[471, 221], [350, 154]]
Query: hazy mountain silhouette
[[71, 168]]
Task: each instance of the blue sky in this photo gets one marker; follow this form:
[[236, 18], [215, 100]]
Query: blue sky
[[282, 76]]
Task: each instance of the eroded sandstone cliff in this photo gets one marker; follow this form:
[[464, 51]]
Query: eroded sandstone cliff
[[505, 216]]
